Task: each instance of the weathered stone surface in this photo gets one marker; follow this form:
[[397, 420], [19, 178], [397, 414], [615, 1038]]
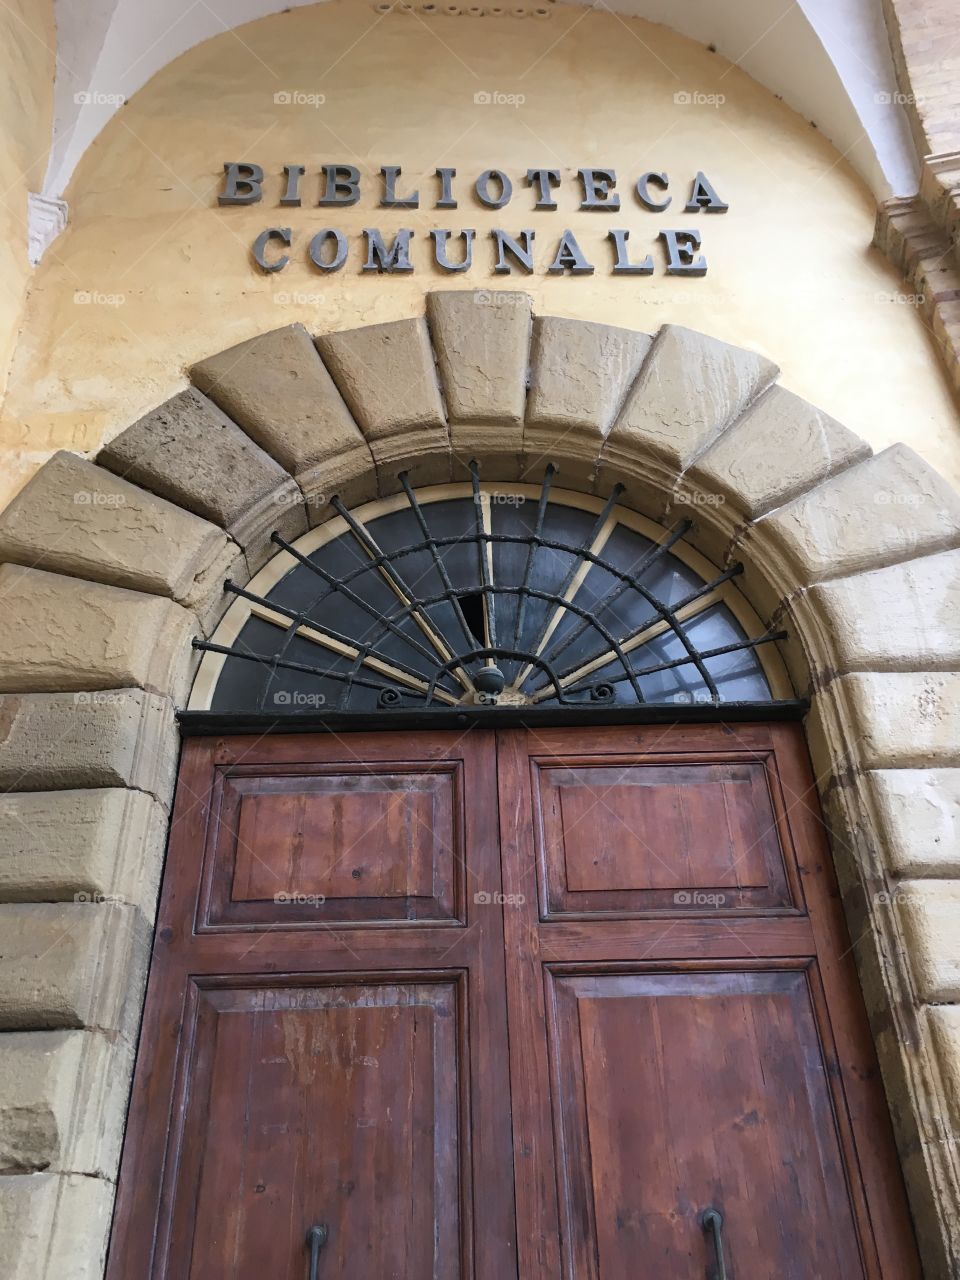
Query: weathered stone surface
[[930, 913], [72, 965], [580, 374], [189, 452], [68, 633], [904, 617], [278, 389], [120, 738], [690, 390], [105, 843], [77, 518], [482, 340], [54, 1226], [62, 1102], [892, 507], [886, 720], [386, 374], [918, 813], [944, 1024], [781, 447]]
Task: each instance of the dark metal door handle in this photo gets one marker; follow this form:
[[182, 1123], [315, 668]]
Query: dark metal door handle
[[316, 1239], [712, 1220]]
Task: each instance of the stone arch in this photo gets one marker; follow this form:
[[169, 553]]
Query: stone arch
[[110, 566]]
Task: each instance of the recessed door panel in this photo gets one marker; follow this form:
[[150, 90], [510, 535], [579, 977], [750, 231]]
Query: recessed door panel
[[333, 1105], [681, 1092], [631, 835]]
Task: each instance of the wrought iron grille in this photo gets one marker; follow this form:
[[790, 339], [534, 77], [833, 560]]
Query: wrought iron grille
[[485, 596]]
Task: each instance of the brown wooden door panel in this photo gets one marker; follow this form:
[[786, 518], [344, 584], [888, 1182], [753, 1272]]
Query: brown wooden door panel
[[338, 1104], [626, 835], [736, 1115], [334, 845]]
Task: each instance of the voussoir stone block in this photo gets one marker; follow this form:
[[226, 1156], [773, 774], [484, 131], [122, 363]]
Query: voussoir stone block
[[482, 341], [387, 376], [56, 846], [114, 738], [78, 964], [69, 633], [781, 447], [77, 518], [189, 452], [919, 819], [884, 720], [62, 1101], [930, 916], [54, 1226], [903, 617], [279, 390], [690, 390], [580, 374]]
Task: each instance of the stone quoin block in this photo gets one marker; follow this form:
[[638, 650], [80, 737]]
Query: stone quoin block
[[930, 915], [54, 1226], [781, 447], [61, 1102], [482, 342], [904, 617], [59, 633], [55, 845], [79, 519], [918, 813], [944, 1024], [119, 738], [278, 389], [78, 964], [580, 374], [690, 390], [189, 452], [386, 375]]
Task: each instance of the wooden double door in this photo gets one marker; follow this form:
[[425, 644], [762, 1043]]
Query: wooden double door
[[550, 1005]]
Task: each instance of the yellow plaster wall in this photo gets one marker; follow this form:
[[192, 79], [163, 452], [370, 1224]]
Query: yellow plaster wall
[[27, 55], [152, 275]]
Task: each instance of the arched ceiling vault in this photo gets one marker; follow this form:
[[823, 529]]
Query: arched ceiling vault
[[828, 59]]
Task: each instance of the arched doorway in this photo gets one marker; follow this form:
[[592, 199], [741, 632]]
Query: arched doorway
[[506, 991]]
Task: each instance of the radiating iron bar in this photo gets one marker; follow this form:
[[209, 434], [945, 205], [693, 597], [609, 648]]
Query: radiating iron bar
[[704, 589], [517, 655], [349, 595], [440, 567], [486, 555], [289, 664], [736, 647], [579, 554], [534, 542], [656, 551], [363, 650]]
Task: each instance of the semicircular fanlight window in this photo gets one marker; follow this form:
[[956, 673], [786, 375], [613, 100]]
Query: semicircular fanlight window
[[469, 595]]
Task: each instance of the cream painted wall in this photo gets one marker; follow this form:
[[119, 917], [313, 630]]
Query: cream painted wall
[[152, 275], [27, 53]]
